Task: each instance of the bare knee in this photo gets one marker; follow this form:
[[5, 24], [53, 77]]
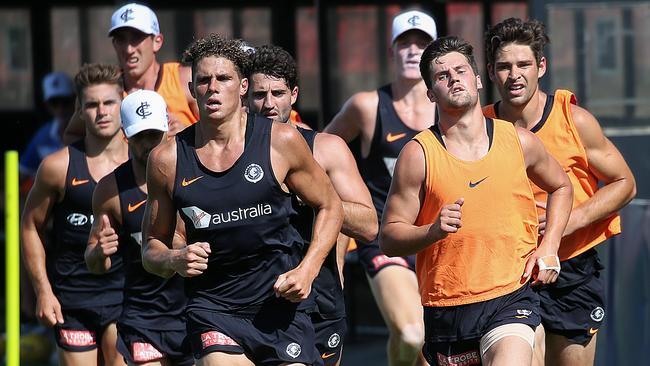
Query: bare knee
[[409, 341]]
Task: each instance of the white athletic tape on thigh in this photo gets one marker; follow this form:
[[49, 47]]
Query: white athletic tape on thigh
[[551, 262], [520, 330]]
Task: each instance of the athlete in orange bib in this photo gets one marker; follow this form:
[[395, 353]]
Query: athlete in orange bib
[[461, 200], [573, 308]]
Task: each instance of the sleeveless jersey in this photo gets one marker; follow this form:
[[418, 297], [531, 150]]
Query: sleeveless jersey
[[558, 133], [150, 301], [73, 284], [169, 86], [243, 214], [487, 256], [390, 136], [327, 286]]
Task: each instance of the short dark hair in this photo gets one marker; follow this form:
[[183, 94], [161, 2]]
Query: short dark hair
[[275, 61], [215, 45], [98, 73], [514, 30], [441, 47]]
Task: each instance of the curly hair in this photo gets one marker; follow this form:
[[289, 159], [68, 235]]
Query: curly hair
[[441, 47], [98, 73], [215, 45], [276, 62], [514, 30]]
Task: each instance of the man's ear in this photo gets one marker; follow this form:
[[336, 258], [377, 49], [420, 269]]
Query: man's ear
[[541, 67], [294, 95], [243, 87], [190, 85], [479, 84], [157, 42], [431, 96]]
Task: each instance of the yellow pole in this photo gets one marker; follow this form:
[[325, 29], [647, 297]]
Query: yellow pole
[[12, 246]]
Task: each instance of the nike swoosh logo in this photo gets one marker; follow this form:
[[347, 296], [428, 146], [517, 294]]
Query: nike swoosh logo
[[392, 138], [593, 331], [132, 208], [79, 182], [186, 183], [327, 355], [472, 185]]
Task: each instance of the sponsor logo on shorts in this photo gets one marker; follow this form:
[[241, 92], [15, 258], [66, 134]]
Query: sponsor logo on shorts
[[462, 359], [382, 260], [214, 338], [253, 173], [293, 350], [77, 338], [144, 352], [334, 340], [523, 313], [598, 314]]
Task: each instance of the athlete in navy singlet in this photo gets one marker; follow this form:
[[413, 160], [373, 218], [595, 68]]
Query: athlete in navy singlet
[[384, 120], [273, 91], [82, 306], [152, 325], [228, 177]]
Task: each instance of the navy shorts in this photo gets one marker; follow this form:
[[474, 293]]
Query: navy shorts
[[140, 345], [574, 306], [82, 329], [269, 338], [330, 337], [453, 333], [374, 260]]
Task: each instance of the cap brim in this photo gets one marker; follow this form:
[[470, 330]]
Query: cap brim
[[136, 129]]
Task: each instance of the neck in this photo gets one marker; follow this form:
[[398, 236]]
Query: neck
[[223, 131], [409, 90], [140, 173], [145, 81], [114, 146], [526, 115], [466, 126]]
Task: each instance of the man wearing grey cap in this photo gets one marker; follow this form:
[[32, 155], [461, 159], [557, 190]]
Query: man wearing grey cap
[[385, 120], [136, 37], [151, 328]]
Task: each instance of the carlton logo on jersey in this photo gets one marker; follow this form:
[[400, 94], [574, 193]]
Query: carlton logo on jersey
[[78, 219], [253, 173], [201, 219]]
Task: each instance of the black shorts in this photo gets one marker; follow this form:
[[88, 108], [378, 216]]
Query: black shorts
[[82, 329], [330, 336], [139, 345], [269, 338], [574, 307], [452, 333], [374, 260]]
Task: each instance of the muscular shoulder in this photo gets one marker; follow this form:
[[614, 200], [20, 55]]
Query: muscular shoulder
[[588, 127], [164, 155], [330, 150], [283, 135], [54, 168], [365, 101]]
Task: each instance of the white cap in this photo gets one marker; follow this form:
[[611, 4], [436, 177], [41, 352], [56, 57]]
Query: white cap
[[135, 16], [413, 19], [143, 110], [57, 84]]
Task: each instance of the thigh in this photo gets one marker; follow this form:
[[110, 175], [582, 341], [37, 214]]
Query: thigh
[[395, 289], [563, 352], [70, 358], [509, 351], [224, 359], [466, 353], [109, 347]]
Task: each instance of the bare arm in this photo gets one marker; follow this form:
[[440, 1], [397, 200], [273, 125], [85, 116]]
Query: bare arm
[[609, 166], [159, 255], [546, 173], [47, 190], [103, 239], [290, 154], [356, 117], [360, 217], [399, 235]]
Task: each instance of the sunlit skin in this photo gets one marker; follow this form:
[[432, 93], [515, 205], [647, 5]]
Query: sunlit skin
[[515, 73], [100, 108], [407, 51], [272, 97], [136, 53], [217, 87], [455, 84]]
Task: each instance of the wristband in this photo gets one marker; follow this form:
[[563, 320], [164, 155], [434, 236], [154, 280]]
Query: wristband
[[551, 262]]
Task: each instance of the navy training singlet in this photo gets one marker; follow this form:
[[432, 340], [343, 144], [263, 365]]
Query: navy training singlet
[[244, 214], [150, 301], [390, 136], [73, 284], [327, 285]]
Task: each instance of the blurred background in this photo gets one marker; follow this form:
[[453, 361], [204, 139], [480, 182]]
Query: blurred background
[[599, 49]]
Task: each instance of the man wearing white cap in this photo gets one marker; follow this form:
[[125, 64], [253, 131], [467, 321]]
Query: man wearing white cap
[[385, 120], [151, 328], [136, 38], [81, 306]]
